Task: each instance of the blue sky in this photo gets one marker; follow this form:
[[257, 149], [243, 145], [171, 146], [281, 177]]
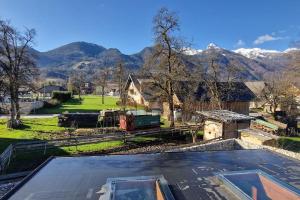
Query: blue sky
[[127, 24]]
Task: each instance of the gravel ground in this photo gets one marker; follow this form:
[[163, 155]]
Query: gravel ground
[[156, 148]]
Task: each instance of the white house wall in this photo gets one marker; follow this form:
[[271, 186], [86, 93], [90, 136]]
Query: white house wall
[[134, 93]]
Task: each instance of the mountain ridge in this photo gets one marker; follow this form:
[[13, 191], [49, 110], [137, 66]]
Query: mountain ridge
[[89, 56]]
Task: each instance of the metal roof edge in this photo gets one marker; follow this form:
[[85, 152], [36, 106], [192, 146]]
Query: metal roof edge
[[26, 179]]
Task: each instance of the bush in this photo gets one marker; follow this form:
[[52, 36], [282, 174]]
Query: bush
[[51, 103], [62, 96]]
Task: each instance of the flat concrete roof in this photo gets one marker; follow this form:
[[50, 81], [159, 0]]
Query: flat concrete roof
[[191, 175]]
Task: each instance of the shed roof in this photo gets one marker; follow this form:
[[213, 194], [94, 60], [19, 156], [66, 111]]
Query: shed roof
[[224, 115]]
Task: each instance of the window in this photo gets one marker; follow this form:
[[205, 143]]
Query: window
[[138, 188], [255, 184]]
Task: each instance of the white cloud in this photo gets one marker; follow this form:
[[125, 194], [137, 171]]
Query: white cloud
[[265, 38], [240, 43]]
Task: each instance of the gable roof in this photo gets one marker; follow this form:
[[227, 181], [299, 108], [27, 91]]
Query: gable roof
[[228, 91], [256, 87], [51, 88], [144, 86], [137, 80]]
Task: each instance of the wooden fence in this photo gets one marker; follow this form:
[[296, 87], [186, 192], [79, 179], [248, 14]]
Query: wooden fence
[[44, 145], [90, 139], [5, 157]]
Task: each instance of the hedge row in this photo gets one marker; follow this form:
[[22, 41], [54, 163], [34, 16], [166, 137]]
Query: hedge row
[[61, 96]]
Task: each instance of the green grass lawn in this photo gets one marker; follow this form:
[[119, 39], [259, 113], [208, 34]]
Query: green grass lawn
[[164, 122], [25, 161], [34, 129], [42, 129], [88, 103], [46, 129]]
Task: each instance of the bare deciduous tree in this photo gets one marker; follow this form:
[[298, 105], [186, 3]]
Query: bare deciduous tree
[[219, 81], [17, 65], [165, 65], [76, 82], [279, 91], [101, 79], [294, 65], [120, 77]]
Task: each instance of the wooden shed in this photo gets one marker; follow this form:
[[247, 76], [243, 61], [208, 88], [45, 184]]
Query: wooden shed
[[223, 123]]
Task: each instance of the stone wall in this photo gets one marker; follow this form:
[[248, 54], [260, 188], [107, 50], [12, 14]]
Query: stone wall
[[25, 107], [247, 145], [235, 144], [223, 145]]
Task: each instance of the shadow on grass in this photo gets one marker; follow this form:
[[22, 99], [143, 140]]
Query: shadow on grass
[[289, 144], [23, 127], [26, 160], [73, 102], [5, 142], [81, 110], [59, 108], [27, 126]]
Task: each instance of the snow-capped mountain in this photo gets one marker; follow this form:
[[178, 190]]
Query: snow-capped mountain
[[253, 63], [191, 52], [291, 50], [272, 58], [252, 53], [256, 52], [212, 46]]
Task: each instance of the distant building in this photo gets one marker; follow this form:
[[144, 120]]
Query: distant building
[[223, 123], [88, 88], [234, 96], [141, 91], [46, 91], [112, 89], [259, 87]]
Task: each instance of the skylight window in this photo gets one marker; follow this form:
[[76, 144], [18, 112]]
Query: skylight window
[[138, 188], [257, 185]]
